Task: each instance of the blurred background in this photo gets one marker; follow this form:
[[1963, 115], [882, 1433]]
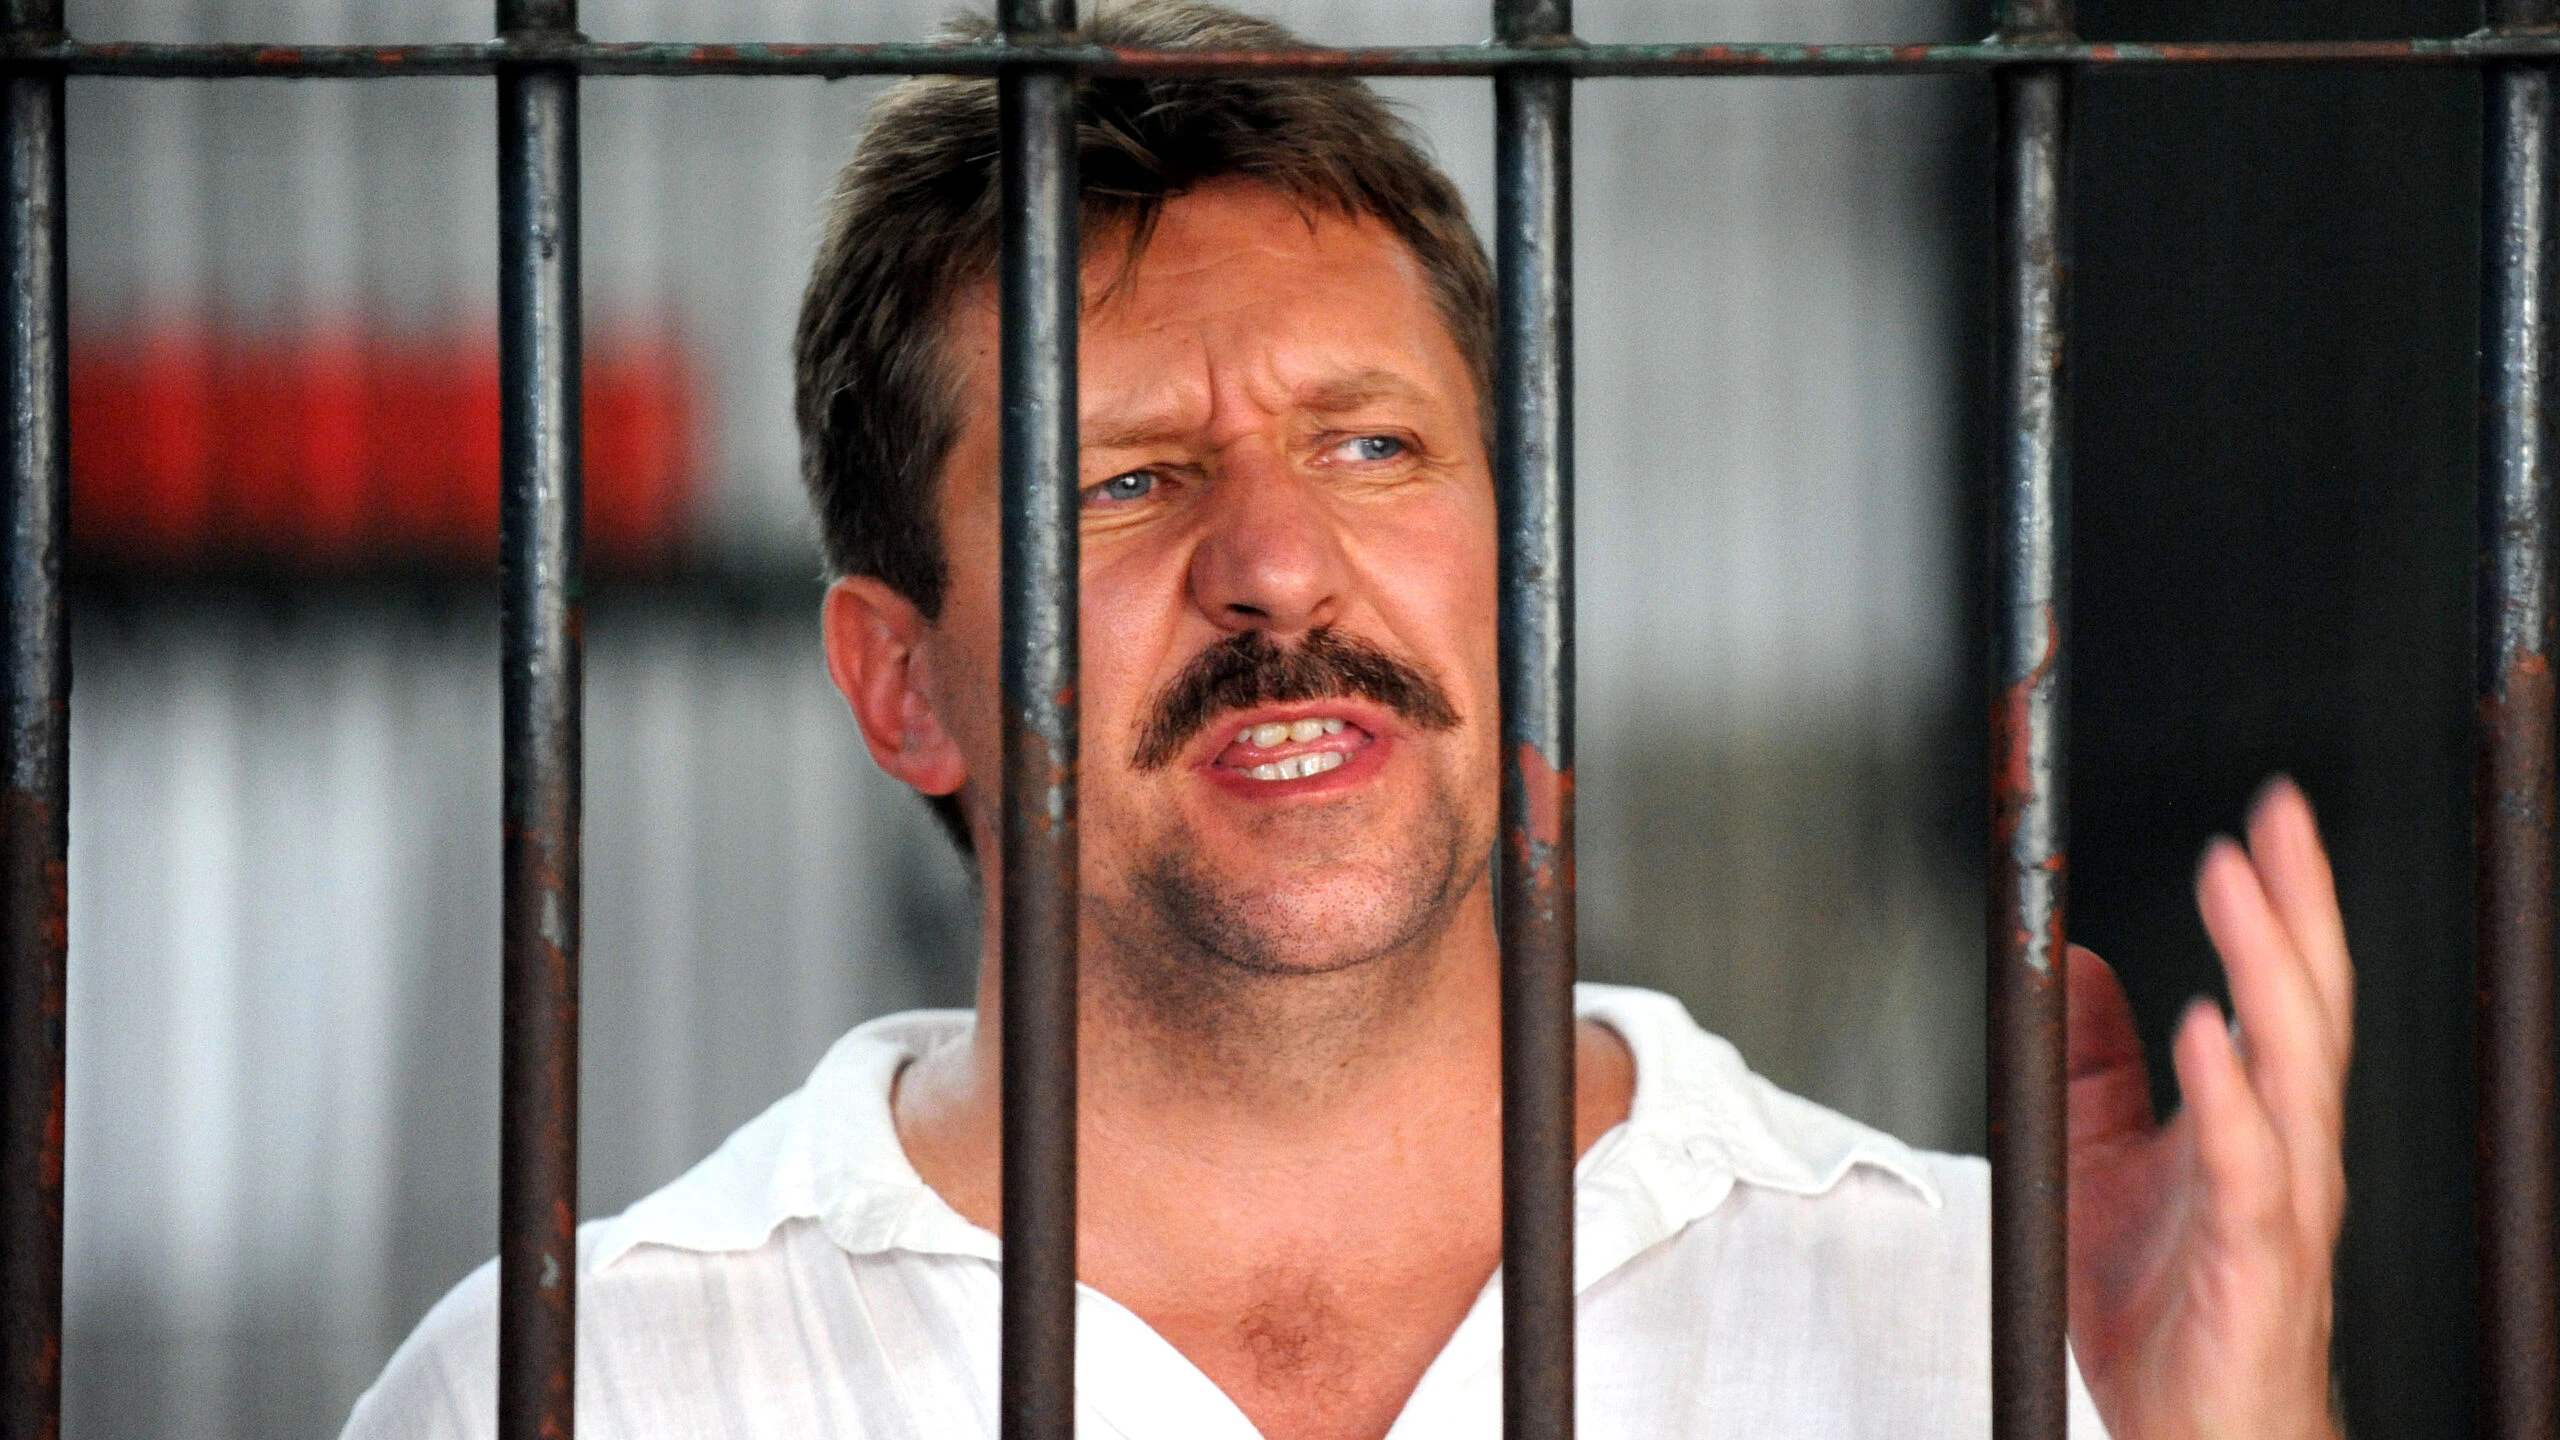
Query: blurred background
[[283, 1093]]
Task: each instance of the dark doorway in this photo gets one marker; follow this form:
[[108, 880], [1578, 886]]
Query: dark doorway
[[2276, 317]]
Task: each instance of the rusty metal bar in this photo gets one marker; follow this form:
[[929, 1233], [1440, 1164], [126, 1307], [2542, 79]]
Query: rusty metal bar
[[1533, 486], [1039, 292], [2519, 1162], [2030, 583], [35, 829], [1699, 58], [539, 580]]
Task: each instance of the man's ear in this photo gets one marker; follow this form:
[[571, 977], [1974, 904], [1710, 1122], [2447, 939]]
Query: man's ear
[[874, 637]]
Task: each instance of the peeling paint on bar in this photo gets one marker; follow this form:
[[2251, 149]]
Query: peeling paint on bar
[[2518, 1192], [1039, 296], [1533, 485], [2023, 852], [35, 804], [2026, 925], [678, 58]]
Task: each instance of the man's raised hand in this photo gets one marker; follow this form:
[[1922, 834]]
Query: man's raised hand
[[2201, 1250]]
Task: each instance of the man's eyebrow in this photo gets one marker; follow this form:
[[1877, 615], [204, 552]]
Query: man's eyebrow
[[1332, 395], [1340, 394], [1133, 431]]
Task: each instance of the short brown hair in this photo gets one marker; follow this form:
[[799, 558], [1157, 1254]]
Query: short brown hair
[[913, 222]]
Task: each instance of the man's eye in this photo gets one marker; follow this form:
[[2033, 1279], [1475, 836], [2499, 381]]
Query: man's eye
[[1135, 485], [1370, 448]]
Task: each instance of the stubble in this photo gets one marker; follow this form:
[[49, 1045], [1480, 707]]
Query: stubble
[[1244, 994]]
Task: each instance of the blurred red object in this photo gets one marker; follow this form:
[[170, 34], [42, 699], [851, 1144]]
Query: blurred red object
[[338, 450]]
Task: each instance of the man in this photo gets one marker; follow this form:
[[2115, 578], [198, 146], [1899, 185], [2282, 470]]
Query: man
[[1290, 1065]]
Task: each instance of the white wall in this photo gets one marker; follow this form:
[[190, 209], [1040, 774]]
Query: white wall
[[283, 1042]]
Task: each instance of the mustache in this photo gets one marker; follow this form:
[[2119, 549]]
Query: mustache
[[1250, 668]]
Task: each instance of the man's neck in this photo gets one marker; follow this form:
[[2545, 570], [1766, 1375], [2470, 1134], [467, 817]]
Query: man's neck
[[1190, 1044], [1253, 1067], [1303, 1200]]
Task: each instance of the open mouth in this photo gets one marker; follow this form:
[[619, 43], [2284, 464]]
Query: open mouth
[[1295, 747]]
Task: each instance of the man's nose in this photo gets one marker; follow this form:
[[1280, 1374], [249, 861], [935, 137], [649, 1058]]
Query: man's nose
[[1272, 558]]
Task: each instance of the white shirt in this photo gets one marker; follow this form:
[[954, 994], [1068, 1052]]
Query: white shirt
[[1748, 1264]]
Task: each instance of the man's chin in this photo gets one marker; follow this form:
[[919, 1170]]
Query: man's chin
[[1283, 915], [1309, 935]]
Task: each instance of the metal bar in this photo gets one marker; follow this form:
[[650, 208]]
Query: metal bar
[[541, 623], [2030, 585], [680, 58], [2519, 1163], [1533, 486], [35, 829], [1040, 298]]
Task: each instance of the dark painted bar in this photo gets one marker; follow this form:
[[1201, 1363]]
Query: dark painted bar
[[35, 824], [1533, 485], [1687, 58], [1039, 291], [540, 620], [2030, 584], [2519, 1164]]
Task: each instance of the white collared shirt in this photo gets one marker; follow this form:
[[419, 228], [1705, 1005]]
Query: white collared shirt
[[1748, 1264]]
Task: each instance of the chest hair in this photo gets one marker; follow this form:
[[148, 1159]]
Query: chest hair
[[1299, 1335]]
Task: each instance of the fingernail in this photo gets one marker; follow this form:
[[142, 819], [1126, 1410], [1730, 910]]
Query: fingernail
[[2268, 789], [2205, 856]]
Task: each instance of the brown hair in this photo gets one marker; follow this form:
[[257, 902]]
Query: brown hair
[[913, 222]]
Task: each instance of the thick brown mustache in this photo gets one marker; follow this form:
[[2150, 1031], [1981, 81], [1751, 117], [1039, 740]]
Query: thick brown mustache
[[1249, 668]]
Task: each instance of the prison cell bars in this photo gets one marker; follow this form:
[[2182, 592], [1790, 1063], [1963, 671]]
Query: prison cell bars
[[1039, 296], [2519, 1163], [2028, 602], [540, 629], [537, 60], [1533, 495], [35, 811], [148, 60]]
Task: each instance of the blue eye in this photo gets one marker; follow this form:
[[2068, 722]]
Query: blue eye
[[1133, 486], [1375, 447]]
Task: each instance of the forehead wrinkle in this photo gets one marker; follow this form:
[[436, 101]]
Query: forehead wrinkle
[[1206, 352], [1165, 401], [1251, 396], [1194, 388]]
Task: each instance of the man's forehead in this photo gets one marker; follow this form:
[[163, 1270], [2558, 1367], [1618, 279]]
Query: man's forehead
[[1244, 300], [1146, 414], [1246, 292]]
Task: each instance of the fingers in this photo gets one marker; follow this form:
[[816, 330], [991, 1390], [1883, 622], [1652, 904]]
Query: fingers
[[2099, 1034], [2291, 1060], [2242, 1159], [2284, 842], [2272, 913], [2110, 1085]]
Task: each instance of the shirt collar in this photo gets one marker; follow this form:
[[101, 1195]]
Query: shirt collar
[[826, 1152], [1701, 1122]]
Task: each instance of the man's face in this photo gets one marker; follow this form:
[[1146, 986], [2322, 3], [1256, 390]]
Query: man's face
[[1288, 667]]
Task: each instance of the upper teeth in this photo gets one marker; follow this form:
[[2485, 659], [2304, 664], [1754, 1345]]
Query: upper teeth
[[1280, 732], [1298, 766]]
